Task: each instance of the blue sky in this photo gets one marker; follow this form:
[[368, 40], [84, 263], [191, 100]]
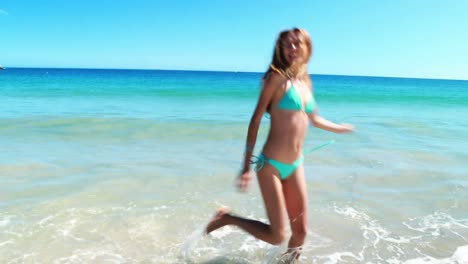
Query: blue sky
[[412, 38]]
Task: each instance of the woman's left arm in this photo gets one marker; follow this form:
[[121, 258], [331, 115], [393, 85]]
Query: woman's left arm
[[322, 123]]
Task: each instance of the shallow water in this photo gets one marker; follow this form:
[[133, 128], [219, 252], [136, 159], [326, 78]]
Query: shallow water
[[114, 166]]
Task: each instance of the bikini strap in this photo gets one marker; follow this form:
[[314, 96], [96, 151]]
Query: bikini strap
[[319, 147], [259, 161]]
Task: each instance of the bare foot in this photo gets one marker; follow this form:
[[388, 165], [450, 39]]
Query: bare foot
[[291, 256], [218, 221]]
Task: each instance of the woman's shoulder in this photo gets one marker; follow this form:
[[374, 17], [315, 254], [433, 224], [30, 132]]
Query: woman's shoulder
[[275, 79]]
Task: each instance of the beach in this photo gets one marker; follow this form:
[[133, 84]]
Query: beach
[[128, 166]]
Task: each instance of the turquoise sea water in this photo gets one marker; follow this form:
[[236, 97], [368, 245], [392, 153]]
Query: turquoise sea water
[[127, 166]]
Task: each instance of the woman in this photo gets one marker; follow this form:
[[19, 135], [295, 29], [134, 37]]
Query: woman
[[287, 95]]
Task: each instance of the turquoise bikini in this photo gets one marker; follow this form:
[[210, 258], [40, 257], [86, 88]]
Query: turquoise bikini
[[284, 169], [291, 101]]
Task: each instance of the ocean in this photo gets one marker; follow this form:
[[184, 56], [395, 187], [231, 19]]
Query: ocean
[[128, 166]]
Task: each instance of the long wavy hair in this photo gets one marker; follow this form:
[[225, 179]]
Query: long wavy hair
[[279, 63]]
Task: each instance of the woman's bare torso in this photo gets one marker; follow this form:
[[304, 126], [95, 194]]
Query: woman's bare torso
[[288, 128]]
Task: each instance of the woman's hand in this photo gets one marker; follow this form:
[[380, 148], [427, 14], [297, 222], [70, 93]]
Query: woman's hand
[[346, 128], [243, 181]]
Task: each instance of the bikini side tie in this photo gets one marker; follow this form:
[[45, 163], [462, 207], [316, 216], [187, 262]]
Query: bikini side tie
[[260, 160]]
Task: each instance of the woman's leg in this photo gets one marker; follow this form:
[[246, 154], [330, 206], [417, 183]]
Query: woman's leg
[[271, 188], [295, 194]]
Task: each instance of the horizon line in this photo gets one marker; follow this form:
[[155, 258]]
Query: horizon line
[[226, 71]]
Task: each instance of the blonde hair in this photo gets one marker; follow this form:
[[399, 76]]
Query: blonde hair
[[279, 63]]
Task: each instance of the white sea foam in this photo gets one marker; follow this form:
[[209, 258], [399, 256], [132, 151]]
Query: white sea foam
[[93, 256], [6, 243], [190, 242], [436, 223], [5, 220], [379, 244], [339, 257], [460, 256]]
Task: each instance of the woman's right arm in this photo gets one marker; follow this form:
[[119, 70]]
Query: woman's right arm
[[270, 86]]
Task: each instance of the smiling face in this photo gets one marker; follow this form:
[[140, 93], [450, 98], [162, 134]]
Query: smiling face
[[294, 49], [292, 53]]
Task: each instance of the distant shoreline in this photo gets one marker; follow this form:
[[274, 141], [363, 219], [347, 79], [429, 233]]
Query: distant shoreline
[[227, 72]]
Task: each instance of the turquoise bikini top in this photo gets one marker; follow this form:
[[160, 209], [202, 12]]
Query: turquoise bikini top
[[292, 101]]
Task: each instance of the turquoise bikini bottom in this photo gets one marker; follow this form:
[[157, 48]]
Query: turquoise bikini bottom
[[284, 169]]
